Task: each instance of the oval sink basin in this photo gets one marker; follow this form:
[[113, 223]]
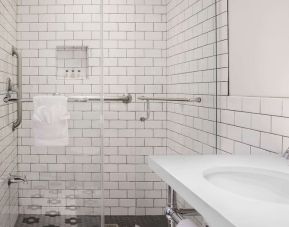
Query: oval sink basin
[[259, 184]]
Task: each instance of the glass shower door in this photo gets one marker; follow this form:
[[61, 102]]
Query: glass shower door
[[64, 182], [186, 127], [134, 63], [160, 49]]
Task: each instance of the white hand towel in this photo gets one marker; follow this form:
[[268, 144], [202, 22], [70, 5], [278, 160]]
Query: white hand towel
[[186, 223], [50, 121]]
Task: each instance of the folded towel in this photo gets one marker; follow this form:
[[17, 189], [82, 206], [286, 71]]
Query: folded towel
[[50, 121], [186, 223]]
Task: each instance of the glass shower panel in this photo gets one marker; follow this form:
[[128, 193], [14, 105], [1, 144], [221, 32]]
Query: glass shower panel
[[183, 127], [151, 118], [161, 49], [65, 59], [119, 118], [8, 138], [134, 63]]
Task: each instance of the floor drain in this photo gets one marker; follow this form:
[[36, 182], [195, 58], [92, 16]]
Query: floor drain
[[111, 225]]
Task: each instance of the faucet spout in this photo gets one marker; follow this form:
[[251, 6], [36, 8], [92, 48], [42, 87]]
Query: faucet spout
[[16, 179]]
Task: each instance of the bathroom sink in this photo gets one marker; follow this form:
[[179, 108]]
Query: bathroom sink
[[230, 190], [253, 183]]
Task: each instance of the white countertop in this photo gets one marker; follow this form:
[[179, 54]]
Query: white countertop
[[219, 207]]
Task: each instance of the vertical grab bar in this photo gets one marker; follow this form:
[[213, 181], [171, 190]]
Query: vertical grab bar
[[19, 90]]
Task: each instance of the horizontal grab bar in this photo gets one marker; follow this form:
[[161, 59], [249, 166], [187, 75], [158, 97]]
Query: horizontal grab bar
[[148, 99], [5, 92], [145, 98], [124, 99]]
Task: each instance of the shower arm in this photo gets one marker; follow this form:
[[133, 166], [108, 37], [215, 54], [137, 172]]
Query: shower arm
[[18, 90]]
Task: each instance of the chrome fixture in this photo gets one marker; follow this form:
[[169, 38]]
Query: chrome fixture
[[11, 89], [148, 112], [123, 98], [286, 154], [16, 179], [18, 90], [198, 99], [7, 99], [173, 214], [19, 100], [148, 99]]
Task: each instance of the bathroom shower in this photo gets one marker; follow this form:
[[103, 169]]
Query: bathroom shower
[[90, 90]]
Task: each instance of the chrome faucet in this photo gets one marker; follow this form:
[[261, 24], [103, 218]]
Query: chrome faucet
[[16, 179], [286, 154]]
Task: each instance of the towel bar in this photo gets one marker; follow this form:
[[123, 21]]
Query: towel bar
[[124, 99]]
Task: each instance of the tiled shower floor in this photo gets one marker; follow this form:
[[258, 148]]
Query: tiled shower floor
[[56, 220]]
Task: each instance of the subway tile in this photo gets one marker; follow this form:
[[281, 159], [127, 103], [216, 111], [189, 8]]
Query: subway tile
[[271, 142], [251, 137], [280, 125], [252, 105], [272, 106]]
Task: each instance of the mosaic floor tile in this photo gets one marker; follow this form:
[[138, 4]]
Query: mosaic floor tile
[[54, 219], [30, 220]]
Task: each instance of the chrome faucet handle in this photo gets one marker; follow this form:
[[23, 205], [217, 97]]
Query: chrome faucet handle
[[286, 154], [11, 87]]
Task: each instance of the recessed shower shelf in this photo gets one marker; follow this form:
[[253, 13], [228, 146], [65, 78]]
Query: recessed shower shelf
[[72, 62]]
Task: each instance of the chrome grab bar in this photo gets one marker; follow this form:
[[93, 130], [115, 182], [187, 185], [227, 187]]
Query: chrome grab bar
[[19, 90], [148, 99], [5, 92], [123, 98], [145, 98]]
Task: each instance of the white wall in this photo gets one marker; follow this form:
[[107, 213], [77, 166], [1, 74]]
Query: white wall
[[8, 140], [259, 50], [250, 125]]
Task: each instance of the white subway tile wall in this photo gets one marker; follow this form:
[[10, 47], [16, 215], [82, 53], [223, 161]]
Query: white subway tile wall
[[191, 72], [261, 125], [191, 64], [8, 139]]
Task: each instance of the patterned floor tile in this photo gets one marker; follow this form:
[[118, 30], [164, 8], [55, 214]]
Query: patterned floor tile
[[54, 219]]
